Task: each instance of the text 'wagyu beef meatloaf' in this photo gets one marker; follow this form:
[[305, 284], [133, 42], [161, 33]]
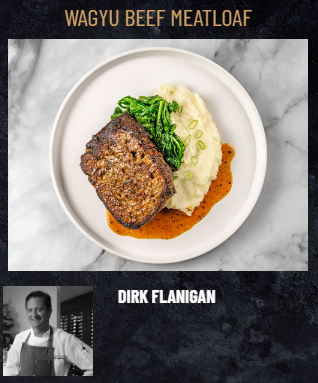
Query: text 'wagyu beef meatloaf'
[[128, 172]]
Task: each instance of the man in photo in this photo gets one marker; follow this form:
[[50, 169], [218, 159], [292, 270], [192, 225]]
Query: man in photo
[[44, 350]]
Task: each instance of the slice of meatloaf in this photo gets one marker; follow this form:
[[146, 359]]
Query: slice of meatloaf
[[128, 172]]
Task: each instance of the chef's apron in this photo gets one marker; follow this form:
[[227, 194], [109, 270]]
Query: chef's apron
[[37, 361]]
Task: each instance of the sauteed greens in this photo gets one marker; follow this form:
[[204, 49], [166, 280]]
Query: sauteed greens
[[154, 114]]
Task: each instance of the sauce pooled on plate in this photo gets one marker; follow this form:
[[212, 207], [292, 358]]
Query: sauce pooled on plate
[[170, 223]]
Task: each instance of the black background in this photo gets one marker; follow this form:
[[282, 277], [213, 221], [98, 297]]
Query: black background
[[264, 326]]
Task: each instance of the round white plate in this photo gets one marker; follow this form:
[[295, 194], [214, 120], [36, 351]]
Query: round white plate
[[88, 108]]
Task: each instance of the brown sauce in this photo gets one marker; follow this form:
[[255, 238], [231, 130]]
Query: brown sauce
[[170, 223]]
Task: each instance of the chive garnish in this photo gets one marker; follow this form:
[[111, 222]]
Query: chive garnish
[[175, 177], [187, 140], [193, 124], [198, 133], [194, 160], [201, 144], [188, 176], [180, 109]]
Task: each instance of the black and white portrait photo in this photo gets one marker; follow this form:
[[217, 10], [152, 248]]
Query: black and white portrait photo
[[48, 331]]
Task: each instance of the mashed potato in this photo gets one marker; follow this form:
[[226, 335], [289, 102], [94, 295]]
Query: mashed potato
[[190, 192]]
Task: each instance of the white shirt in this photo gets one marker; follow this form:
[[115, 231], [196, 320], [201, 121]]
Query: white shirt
[[67, 349]]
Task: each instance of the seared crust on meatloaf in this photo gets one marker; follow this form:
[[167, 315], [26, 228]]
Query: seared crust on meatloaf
[[128, 172]]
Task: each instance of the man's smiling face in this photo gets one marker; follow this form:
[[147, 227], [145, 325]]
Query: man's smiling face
[[38, 314]]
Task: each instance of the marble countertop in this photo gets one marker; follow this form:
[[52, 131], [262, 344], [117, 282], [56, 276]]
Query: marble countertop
[[274, 73]]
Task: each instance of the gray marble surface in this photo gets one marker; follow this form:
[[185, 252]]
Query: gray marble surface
[[274, 73]]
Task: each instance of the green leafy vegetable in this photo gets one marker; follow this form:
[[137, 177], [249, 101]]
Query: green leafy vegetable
[[175, 177], [193, 124], [201, 144], [154, 114], [117, 112], [198, 133]]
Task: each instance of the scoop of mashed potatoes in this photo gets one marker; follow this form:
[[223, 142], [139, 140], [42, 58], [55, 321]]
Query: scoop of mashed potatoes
[[200, 166]]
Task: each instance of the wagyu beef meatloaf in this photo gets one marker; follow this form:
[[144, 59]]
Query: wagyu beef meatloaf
[[128, 172]]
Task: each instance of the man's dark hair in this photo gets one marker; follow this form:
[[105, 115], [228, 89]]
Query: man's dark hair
[[40, 294]]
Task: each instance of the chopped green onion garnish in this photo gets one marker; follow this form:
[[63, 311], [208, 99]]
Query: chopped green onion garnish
[[180, 109], [175, 177], [188, 176], [187, 140], [198, 133], [194, 160], [193, 124], [201, 144]]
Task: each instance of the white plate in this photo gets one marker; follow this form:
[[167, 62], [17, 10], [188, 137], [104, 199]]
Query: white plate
[[88, 108]]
